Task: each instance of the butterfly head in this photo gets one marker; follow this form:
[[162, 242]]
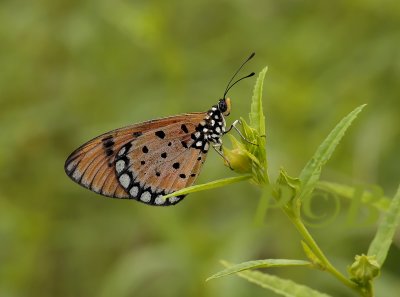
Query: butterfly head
[[224, 106]]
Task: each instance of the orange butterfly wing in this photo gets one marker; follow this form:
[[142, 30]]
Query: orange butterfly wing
[[115, 163]]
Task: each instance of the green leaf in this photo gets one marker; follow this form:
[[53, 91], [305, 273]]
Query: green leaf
[[278, 285], [287, 188], [255, 132], [257, 118], [259, 264], [383, 239], [211, 185], [312, 171], [374, 197], [285, 180]]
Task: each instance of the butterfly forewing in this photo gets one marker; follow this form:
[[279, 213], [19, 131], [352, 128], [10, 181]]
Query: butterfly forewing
[[142, 161]]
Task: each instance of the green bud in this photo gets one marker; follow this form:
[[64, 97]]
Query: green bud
[[364, 269], [238, 160], [237, 157]]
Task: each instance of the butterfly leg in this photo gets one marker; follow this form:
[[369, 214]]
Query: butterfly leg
[[218, 148], [233, 126]]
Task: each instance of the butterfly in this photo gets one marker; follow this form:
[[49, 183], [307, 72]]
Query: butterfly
[[148, 160]]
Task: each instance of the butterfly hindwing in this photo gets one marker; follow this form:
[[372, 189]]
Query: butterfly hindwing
[[92, 165], [142, 156]]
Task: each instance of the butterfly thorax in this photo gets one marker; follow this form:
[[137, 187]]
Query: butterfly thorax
[[211, 129]]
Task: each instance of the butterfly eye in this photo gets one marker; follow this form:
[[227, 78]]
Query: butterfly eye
[[222, 105]]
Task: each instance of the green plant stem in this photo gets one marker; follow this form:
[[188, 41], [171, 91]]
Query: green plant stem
[[318, 252]]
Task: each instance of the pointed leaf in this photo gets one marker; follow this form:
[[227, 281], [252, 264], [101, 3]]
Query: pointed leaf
[[284, 181], [384, 236], [257, 119], [279, 285], [211, 185], [257, 123], [259, 264], [312, 171]]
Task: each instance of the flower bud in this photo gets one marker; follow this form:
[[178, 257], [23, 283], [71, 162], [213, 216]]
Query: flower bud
[[238, 160], [364, 269]]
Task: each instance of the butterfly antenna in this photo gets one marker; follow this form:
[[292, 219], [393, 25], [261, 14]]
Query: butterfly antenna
[[250, 75], [237, 71]]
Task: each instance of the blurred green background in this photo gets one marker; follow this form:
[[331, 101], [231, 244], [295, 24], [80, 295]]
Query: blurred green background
[[70, 70]]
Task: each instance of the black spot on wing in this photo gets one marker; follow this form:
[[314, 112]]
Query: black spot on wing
[[108, 143], [109, 137], [109, 152], [160, 134], [184, 128], [126, 148]]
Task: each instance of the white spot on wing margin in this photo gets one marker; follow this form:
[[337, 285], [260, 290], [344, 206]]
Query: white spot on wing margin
[[120, 165], [124, 180], [146, 196], [159, 200]]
